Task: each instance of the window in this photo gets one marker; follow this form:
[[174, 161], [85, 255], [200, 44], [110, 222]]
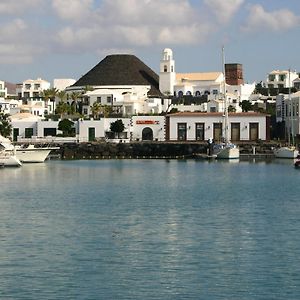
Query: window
[[37, 86], [217, 132], [181, 131], [197, 94], [271, 77], [27, 86], [99, 100], [28, 132], [85, 111], [235, 131], [188, 93], [49, 131], [200, 131], [165, 68], [108, 99], [282, 77], [253, 131], [180, 94], [172, 69], [215, 92]]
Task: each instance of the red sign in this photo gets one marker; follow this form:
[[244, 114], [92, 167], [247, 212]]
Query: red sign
[[147, 122]]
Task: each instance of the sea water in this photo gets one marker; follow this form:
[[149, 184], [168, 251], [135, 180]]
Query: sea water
[[150, 229]]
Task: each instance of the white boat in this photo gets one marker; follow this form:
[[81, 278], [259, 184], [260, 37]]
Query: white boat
[[32, 154], [8, 157], [226, 150], [27, 153], [286, 152]]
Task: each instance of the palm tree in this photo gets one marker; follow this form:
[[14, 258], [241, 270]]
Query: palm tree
[[75, 96], [96, 109], [62, 95], [49, 95], [62, 108]]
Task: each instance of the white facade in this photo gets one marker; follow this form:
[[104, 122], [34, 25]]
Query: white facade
[[148, 128], [124, 100], [287, 109], [281, 79], [62, 83], [202, 126], [32, 88], [3, 90]]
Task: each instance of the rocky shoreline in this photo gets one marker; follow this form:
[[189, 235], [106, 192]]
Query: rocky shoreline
[[105, 150]]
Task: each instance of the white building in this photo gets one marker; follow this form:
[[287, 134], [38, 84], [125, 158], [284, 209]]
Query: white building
[[3, 90], [202, 126], [62, 83], [31, 88], [287, 110], [281, 79], [125, 83], [208, 84]]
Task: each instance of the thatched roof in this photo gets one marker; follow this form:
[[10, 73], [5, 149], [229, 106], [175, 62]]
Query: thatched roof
[[121, 69]]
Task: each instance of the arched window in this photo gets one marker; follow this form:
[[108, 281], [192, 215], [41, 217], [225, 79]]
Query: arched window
[[172, 69], [188, 93], [180, 94], [165, 68], [197, 94]]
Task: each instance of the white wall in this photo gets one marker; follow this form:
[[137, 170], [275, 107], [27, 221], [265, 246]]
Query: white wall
[[210, 118], [155, 123]]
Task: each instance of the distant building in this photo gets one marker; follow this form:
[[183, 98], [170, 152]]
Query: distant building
[[123, 82], [287, 110], [3, 89], [281, 79], [234, 74], [190, 126], [31, 88], [62, 83]]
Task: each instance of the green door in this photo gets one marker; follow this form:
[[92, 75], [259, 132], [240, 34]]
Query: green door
[[91, 134], [15, 134]]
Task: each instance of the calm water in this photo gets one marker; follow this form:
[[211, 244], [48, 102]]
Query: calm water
[[150, 229]]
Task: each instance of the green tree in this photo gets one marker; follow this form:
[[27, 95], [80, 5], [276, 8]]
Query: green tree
[[246, 105], [67, 127], [5, 125], [62, 108], [117, 127]]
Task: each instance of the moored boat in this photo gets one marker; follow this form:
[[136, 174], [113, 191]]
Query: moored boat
[[32, 154], [286, 152]]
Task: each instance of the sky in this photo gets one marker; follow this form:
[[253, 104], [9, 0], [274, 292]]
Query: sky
[[65, 38]]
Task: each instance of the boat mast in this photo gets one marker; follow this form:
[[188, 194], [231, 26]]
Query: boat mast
[[290, 114], [226, 133]]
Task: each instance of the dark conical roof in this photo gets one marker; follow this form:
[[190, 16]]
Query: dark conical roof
[[121, 69]]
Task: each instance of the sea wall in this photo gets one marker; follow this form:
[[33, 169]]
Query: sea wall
[[103, 150]]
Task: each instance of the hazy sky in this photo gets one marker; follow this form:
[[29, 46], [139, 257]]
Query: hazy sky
[[66, 38]]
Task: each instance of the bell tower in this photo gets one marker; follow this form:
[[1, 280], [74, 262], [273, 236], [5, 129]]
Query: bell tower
[[167, 75]]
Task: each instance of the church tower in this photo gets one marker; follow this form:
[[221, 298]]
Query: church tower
[[167, 75]]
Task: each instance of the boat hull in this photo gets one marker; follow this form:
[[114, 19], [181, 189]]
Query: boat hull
[[229, 153], [37, 155], [9, 160], [286, 152]]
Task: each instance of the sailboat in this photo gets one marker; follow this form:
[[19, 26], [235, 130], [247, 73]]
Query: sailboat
[[289, 151], [226, 150]]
